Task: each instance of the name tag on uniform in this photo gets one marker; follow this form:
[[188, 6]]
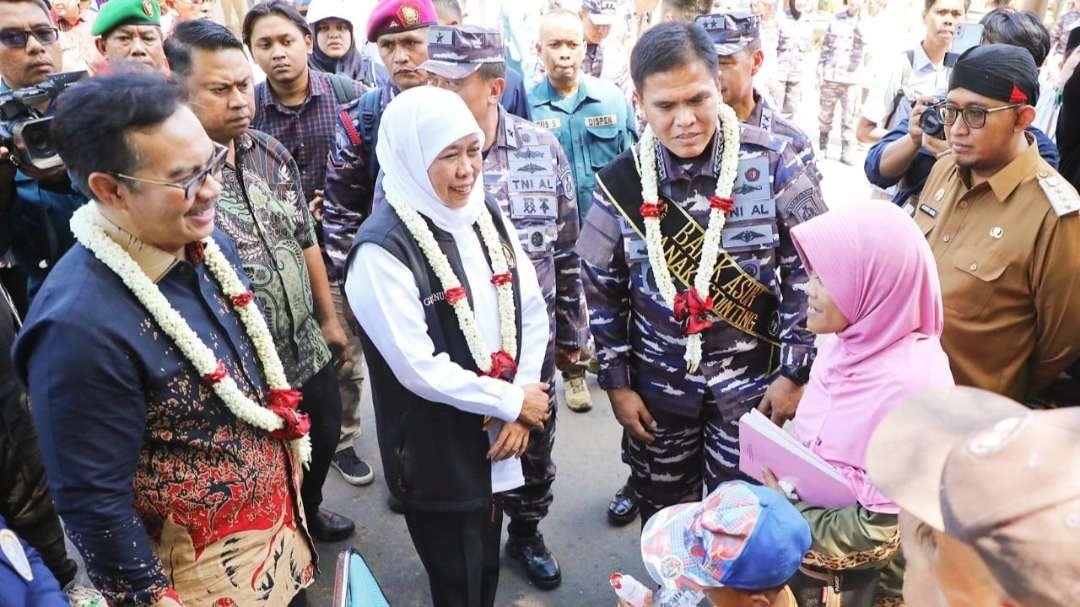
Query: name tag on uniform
[[548, 123], [532, 161], [929, 210], [745, 210], [605, 120], [533, 206], [753, 183], [753, 236]]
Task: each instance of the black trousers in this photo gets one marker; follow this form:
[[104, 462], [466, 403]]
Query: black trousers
[[322, 403], [460, 551]]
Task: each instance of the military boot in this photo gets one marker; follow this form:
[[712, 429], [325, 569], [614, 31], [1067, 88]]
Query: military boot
[[846, 156], [823, 144], [576, 393]]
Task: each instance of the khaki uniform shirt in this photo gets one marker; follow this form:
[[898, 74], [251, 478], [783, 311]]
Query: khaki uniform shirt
[[1008, 254]]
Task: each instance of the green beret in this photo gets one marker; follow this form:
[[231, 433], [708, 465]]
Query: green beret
[[115, 13]]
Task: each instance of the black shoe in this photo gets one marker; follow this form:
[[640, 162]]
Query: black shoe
[[327, 526], [623, 507], [540, 565], [395, 505], [354, 470]]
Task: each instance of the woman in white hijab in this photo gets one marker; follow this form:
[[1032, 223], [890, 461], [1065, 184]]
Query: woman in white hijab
[[455, 332]]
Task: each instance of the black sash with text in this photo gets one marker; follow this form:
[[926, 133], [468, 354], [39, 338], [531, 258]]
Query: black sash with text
[[738, 298]]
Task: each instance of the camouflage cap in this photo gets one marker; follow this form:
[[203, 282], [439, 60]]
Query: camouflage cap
[[601, 12], [732, 31], [456, 52]]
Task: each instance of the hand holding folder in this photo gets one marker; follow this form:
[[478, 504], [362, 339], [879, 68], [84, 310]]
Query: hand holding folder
[[763, 444]]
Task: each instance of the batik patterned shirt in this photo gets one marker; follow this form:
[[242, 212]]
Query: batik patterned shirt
[[262, 208], [163, 490]]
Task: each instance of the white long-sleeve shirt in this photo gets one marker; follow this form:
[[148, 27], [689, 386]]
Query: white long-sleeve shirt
[[386, 302]]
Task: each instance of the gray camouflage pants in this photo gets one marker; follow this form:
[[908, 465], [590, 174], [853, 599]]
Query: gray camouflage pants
[[831, 94], [531, 501]]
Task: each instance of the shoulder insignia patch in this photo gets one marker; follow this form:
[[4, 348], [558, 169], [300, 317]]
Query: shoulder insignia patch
[[1062, 197]]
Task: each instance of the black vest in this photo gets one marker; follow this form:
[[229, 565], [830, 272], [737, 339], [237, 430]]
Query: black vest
[[434, 455]]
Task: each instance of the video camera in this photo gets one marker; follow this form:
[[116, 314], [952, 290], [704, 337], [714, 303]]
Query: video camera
[[930, 121], [24, 130]]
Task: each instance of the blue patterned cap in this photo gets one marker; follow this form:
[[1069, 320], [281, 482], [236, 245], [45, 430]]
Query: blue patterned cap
[[741, 536]]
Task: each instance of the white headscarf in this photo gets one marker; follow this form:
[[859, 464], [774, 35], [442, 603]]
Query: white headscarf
[[416, 127]]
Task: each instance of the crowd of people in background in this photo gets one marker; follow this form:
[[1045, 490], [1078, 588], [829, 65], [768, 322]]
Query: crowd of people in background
[[237, 218]]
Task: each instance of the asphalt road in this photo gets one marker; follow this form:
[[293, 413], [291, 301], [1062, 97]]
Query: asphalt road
[[589, 471]]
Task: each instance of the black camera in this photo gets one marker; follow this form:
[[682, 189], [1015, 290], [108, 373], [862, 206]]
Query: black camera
[[24, 131], [930, 121]]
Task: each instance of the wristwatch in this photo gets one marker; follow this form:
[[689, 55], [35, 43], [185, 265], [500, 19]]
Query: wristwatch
[[799, 375]]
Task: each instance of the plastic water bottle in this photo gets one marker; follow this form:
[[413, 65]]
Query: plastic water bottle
[[634, 592]]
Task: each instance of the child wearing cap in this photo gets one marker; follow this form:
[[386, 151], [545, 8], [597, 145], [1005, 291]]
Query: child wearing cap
[[874, 291], [739, 546]]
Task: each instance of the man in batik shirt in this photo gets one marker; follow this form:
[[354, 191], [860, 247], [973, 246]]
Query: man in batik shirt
[[262, 209], [168, 494]]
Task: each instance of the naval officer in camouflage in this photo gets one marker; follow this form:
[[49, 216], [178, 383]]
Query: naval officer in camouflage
[[680, 427], [526, 171], [737, 38]]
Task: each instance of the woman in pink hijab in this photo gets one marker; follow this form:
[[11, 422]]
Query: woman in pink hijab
[[874, 292]]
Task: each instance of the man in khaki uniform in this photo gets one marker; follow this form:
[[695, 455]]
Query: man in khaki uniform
[[1005, 231]]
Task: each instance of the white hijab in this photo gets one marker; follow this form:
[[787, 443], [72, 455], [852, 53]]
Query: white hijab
[[416, 127]]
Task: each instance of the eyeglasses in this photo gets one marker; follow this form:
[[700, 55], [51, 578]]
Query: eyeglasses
[[192, 184], [16, 38], [974, 117]]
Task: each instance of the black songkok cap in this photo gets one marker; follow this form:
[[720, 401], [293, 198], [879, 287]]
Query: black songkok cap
[[998, 71]]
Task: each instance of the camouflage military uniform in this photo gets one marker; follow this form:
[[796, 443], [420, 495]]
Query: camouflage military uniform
[[640, 346], [347, 202], [593, 63], [840, 65], [527, 172], [765, 117], [793, 45]]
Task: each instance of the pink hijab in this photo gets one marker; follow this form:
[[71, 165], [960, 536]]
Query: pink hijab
[[878, 268]]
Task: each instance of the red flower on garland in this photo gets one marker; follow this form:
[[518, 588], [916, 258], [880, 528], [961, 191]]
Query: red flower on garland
[[284, 404], [219, 373], [196, 252], [691, 309], [502, 366], [455, 295], [652, 209], [724, 204], [501, 279], [243, 299]]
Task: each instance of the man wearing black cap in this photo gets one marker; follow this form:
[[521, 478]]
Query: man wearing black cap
[[1004, 228], [737, 37]]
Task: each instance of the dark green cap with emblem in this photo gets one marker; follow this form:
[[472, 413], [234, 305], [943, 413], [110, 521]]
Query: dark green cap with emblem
[[115, 13]]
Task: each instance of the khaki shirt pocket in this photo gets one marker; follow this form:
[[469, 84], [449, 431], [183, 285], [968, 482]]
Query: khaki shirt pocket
[[970, 284]]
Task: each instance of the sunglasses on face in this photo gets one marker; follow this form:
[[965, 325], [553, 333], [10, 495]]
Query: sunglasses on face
[[193, 184], [17, 38], [974, 117]]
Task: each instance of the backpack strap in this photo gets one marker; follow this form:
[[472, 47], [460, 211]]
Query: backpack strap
[[898, 98], [370, 117], [350, 130], [344, 88]]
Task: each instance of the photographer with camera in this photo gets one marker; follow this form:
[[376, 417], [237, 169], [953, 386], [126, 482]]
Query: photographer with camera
[[905, 155], [36, 195]]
